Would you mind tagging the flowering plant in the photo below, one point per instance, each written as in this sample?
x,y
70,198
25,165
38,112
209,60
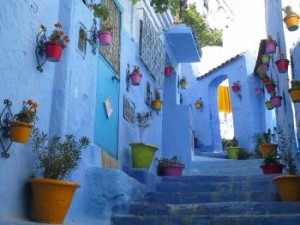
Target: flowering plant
x,y
28,112
58,34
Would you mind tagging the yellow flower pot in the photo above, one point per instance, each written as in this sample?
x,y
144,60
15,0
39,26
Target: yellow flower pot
x,y
292,21
233,152
20,132
51,199
288,187
295,94
142,154
267,149
198,105
157,104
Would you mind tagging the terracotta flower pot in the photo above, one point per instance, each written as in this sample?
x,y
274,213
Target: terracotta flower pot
x,y
267,149
292,21
53,50
20,132
276,100
295,94
198,105
282,65
51,199
288,187
105,37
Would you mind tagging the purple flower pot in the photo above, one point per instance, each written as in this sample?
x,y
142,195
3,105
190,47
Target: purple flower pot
x,y
270,47
276,101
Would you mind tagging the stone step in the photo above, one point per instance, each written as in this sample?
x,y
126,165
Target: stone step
x,y
210,209
202,197
271,219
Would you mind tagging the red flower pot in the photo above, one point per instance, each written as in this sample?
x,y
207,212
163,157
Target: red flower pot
x,y
270,47
265,79
235,88
173,170
276,101
105,37
168,70
282,65
53,50
136,78
270,87
272,168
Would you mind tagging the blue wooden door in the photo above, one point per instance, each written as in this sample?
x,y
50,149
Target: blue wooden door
x,y
107,109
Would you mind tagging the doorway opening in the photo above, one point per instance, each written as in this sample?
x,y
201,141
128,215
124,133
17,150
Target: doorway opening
x,y
225,111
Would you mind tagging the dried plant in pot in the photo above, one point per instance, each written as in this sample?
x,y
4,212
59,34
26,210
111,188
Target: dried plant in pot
x,y
142,153
288,184
56,158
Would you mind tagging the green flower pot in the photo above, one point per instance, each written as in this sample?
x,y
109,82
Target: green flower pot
x,y
142,154
233,152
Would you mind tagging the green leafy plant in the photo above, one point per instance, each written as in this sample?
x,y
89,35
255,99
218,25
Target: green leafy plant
x,y
288,10
267,137
106,25
295,83
226,143
100,11
27,113
142,121
56,158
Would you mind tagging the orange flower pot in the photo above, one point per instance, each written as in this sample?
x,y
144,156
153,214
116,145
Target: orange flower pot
x,y
295,94
288,187
51,199
267,149
20,132
292,21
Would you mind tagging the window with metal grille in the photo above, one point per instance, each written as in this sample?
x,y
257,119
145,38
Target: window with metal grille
x,y
152,50
112,52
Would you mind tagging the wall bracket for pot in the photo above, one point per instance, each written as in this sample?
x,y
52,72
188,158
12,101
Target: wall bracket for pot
x,y
93,39
40,48
5,116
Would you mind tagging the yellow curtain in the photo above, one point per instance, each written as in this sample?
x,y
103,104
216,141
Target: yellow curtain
x,y
224,103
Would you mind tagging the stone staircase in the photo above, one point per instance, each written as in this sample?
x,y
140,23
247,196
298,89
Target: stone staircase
x,y
211,200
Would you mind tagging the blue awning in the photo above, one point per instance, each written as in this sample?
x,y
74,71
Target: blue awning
x,y
183,43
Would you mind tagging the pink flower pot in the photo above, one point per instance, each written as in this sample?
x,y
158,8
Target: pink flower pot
x,y
282,65
276,101
258,91
262,69
168,70
270,47
235,88
105,37
173,170
136,78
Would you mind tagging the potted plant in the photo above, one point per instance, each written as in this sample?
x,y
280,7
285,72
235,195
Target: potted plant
x,y
288,184
157,102
56,158
236,86
105,35
291,19
294,91
168,70
265,79
56,43
135,76
262,70
270,45
258,90
282,63
170,167
271,165
276,100
22,123
198,104
269,105
267,142
231,146
265,59
183,83
270,86
142,153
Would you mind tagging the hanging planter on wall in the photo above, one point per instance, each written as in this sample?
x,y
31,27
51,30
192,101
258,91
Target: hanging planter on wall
x,y
282,64
291,19
236,86
258,90
262,70
168,70
183,83
270,45
265,59
53,51
265,79
276,100
105,35
157,102
269,105
199,104
136,76
294,91
270,86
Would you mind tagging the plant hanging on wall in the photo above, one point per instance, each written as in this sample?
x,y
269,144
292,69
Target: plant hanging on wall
x,y
291,18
